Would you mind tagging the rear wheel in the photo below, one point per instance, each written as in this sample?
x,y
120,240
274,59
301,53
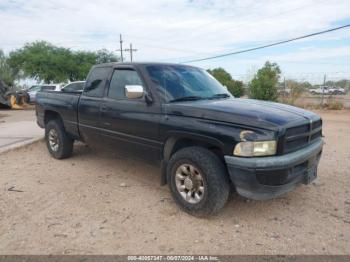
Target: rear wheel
x,y
198,181
59,144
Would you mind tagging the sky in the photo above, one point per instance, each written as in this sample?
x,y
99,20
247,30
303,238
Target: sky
x,y
182,30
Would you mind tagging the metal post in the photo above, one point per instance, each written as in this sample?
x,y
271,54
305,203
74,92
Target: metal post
x,y
324,84
121,47
131,52
284,92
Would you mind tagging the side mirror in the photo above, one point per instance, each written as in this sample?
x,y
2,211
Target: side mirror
x,y
133,91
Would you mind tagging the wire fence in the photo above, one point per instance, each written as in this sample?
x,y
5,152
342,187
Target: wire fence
x,y
320,99
311,90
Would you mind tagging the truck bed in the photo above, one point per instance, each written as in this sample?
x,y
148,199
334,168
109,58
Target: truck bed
x,y
64,103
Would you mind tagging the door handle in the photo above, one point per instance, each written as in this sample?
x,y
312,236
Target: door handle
x,y
103,108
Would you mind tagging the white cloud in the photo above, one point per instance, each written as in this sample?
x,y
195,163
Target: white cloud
x,y
313,53
161,30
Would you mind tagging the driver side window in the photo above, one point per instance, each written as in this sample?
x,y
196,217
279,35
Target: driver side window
x,y
121,78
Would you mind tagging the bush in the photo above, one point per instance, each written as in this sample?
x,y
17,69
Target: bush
x,y
264,84
235,87
332,104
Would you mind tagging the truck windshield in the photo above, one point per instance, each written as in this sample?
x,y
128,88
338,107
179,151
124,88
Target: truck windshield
x,y
185,83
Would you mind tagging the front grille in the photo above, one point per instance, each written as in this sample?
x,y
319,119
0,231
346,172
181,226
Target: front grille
x,y
317,124
297,130
300,136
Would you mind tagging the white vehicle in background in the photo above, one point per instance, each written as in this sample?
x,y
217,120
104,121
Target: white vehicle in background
x,y
321,90
74,87
328,91
337,91
45,87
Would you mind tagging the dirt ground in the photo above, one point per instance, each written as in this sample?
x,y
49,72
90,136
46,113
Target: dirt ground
x,y
17,128
10,116
2,115
102,203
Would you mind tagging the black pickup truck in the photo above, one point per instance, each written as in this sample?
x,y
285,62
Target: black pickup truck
x,y
206,141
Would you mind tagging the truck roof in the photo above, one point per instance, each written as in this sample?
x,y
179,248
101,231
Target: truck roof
x,y
140,63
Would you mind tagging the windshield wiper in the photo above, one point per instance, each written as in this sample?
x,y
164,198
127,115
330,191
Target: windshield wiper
x,y
222,95
186,98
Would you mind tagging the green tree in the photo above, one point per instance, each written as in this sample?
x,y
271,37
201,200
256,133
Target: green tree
x,y
81,64
306,85
83,60
105,56
343,83
235,87
264,84
42,61
46,62
7,75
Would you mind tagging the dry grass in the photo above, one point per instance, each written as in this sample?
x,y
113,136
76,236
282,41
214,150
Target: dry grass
x,y
333,104
330,104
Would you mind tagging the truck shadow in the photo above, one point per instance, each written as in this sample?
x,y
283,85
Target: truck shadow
x,y
142,171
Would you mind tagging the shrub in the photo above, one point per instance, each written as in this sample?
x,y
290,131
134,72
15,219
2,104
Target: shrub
x,y
235,87
334,105
264,84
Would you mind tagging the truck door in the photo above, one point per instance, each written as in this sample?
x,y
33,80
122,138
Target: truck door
x,y
130,123
90,102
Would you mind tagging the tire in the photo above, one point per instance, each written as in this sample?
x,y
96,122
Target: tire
x,y
59,144
209,194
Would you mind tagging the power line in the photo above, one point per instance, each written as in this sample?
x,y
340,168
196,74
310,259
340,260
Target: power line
x,y
195,34
268,45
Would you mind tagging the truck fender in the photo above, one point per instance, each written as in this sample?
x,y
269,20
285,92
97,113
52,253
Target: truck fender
x,y
175,137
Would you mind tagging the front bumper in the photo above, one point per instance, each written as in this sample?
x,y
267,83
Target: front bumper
x,y
263,178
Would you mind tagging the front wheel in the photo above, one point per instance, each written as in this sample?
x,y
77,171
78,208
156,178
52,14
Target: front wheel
x,y
198,181
59,144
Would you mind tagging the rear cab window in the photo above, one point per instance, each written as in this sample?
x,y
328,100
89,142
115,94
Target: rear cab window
x,y
34,88
96,82
48,88
74,87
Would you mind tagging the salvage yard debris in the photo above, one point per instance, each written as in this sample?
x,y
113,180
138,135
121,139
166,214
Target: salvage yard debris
x,y
13,99
12,189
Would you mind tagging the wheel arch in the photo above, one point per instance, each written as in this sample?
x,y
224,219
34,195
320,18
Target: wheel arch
x,y
51,115
176,142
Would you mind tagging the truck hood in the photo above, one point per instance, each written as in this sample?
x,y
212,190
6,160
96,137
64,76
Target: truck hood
x,y
249,112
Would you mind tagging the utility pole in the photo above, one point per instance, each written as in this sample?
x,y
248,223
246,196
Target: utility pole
x,y
324,85
131,51
121,47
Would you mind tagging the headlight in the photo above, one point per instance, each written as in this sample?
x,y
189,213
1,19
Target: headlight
x,y
255,148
